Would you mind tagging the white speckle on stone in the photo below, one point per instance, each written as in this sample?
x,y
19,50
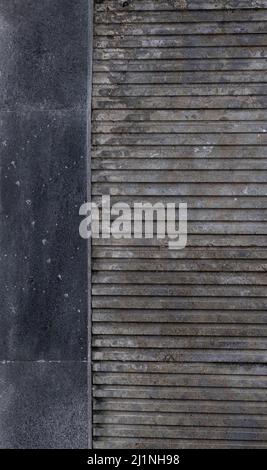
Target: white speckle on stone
x,y
59,277
44,241
17,183
48,261
66,295
28,202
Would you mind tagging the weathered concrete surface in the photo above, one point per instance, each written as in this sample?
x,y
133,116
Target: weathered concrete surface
x,y
43,405
43,143
179,338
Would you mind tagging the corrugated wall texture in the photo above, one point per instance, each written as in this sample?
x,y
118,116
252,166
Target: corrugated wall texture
x,y
179,115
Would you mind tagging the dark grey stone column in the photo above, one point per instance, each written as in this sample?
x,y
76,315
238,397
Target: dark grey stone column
x,y
45,70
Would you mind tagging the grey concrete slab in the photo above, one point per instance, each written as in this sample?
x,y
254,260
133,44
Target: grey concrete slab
x,y
44,260
43,50
43,405
45,58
